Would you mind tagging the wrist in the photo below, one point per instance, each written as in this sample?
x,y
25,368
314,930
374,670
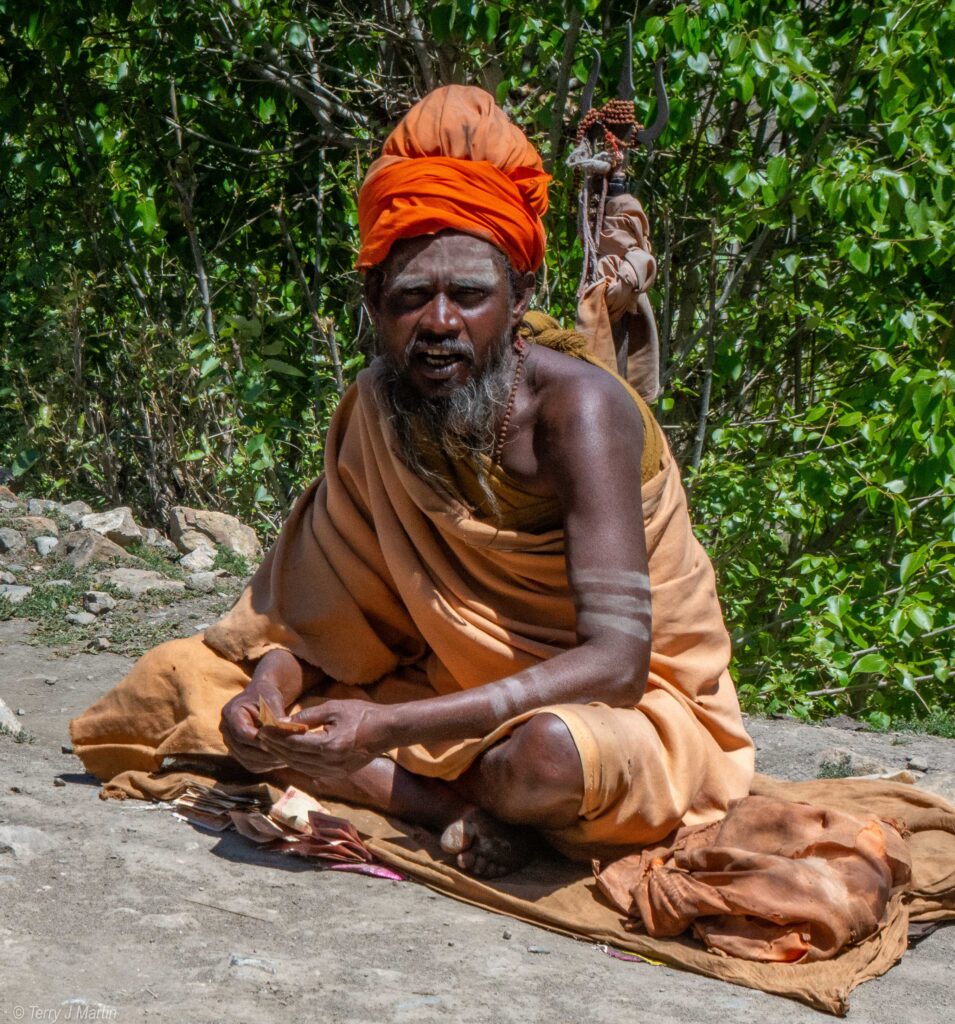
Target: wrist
x,y
384,728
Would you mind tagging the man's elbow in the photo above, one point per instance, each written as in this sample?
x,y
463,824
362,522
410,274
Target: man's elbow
x,y
624,674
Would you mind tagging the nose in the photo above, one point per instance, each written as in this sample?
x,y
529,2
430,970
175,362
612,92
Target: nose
x,y
440,318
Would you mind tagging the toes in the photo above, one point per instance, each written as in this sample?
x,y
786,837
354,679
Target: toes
x,y
457,837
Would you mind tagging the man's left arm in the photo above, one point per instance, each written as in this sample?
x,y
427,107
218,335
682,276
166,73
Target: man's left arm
x,y
589,444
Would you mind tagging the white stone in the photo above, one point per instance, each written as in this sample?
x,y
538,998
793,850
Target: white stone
x,y
139,581
75,510
7,577
13,593
96,602
11,540
81,618
116,525
199,559
203,582
24,843
45,545
190,527
8,721
40,506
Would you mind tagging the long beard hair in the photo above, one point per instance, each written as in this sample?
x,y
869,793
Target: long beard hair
x,y
460,426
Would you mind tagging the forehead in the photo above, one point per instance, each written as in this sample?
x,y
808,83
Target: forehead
x,y
448,257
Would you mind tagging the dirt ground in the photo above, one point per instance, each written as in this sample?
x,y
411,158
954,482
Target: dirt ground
x,y
118,911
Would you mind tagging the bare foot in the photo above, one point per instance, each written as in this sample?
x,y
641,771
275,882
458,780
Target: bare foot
x,y
487,847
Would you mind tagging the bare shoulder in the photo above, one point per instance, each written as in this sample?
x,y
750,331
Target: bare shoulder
x,y
577,398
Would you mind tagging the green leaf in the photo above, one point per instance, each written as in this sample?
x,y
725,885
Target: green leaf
x,y
700,63
922,617
803,100
24,461
873,662
911,564
280,366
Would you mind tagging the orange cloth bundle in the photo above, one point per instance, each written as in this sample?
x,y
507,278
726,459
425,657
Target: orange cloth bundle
x,y
456,161
774,880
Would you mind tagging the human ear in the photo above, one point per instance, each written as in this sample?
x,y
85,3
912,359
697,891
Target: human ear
x,y
374,287
524,287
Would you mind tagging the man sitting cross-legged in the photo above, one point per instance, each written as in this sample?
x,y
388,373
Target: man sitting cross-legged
x,y
491,609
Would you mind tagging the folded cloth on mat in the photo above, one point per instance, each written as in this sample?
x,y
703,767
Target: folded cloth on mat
x,y
775,880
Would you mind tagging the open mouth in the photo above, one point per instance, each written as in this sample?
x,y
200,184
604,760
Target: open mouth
x,y
437,361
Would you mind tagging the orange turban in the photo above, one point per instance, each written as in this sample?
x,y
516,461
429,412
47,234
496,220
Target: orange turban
x,y
456,161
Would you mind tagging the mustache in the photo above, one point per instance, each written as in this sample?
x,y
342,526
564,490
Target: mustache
x,y
446,346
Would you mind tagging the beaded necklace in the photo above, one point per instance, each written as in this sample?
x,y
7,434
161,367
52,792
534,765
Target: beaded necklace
x,y
520,346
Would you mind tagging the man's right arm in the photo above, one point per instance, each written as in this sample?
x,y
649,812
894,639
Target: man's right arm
x,y
279,680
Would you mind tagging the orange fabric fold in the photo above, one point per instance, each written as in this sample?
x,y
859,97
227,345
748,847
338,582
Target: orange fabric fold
x,y
456,162
422,197
775,881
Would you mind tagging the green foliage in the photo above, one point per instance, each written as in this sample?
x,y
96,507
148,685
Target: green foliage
x,y
178,307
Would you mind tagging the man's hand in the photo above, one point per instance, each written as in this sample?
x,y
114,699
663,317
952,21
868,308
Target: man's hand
x,y
344,735
278,681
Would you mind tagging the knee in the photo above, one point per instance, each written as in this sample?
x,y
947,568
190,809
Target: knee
x,y
538,776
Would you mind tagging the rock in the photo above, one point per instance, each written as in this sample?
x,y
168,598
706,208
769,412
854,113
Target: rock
x,y
203,582
75,510
538,949
40,506
46,545
33,525
7,495
8,721
940,783
839,763
7,577
116,525
10,541
85,546
24,843
13,593
57,781
80,618
917,763
57,583
199,560
66,748
506,934
845,722
190,527
256,963
97,603
100,643
154,539
139,581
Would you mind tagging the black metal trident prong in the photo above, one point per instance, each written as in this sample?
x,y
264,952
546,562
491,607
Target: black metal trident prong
x,y
625,91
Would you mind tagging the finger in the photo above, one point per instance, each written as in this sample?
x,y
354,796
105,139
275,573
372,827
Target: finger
x,y
314,717
242,723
